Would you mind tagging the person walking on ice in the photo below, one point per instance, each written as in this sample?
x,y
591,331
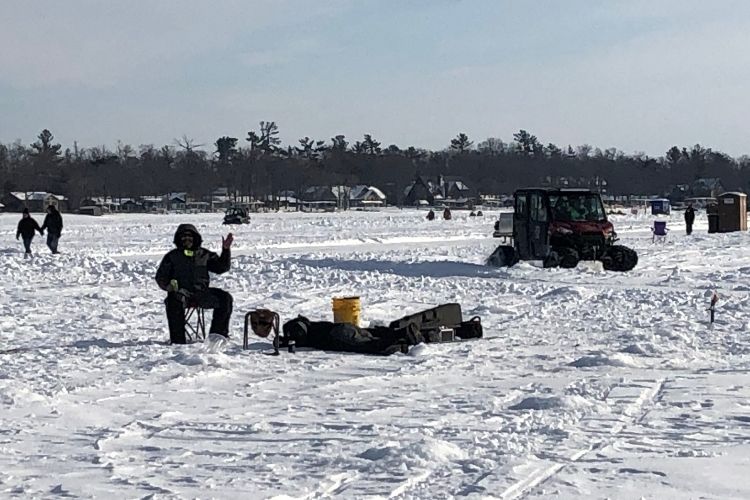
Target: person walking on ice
x,y
183,274
689,218
53,223
26,227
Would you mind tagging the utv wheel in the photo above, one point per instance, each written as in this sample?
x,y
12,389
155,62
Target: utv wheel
x,y
568,257
620,258
503,256
551,260
564,257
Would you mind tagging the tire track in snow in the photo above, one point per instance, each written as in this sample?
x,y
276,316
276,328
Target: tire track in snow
x,y
542,474
635,399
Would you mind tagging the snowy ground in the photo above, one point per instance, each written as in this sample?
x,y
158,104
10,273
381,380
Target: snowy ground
x,y
590,384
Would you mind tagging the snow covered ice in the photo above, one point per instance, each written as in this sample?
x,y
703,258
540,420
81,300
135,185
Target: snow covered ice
x,y
590,384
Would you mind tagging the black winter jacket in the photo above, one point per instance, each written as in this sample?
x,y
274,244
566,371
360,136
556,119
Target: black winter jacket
x,y
191,272
53,223
689,215
26,227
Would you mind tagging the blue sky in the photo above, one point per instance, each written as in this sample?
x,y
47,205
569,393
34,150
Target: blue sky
x,y
636,75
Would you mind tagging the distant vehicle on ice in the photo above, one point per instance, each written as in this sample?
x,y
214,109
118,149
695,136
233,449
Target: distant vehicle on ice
x,y
236,215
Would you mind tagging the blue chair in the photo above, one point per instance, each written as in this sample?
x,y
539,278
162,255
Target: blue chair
x,y
659,231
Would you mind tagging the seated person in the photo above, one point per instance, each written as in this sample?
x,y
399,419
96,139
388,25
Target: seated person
x,y
183,273
562,210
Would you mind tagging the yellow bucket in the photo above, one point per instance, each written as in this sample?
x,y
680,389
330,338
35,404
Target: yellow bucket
x,y
346,310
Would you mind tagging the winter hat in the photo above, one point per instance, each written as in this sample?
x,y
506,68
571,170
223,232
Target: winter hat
x,y
25,210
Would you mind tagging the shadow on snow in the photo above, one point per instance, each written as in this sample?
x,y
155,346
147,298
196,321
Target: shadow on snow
x,y
435,269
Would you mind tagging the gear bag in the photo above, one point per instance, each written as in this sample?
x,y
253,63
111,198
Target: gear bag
x,y
436,324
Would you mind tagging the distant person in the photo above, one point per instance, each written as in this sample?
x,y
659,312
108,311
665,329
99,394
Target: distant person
x,y
430,215
447,213
563,210
689,218
53,223
578,211
183,274
26,227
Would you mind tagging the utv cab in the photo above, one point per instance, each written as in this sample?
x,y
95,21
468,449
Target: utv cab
x,y
236,215
561,227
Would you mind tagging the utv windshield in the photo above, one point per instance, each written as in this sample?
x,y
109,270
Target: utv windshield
x,y
577,207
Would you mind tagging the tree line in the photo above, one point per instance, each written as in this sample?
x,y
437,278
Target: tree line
x,y
260,166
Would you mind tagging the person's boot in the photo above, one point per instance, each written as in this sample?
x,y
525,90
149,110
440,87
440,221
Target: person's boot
x,y
410,335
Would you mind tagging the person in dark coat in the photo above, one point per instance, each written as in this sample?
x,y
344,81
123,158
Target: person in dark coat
x,y
689,218
26,227
447,214
53,223
183,274
430,215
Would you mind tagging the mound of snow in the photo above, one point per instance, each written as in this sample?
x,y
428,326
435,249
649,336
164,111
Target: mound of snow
x,y
602,359
539,403
641,349
422,453
419,350
570,402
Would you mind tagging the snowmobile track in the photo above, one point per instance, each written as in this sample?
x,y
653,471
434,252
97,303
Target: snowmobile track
x,y
636,405
642,402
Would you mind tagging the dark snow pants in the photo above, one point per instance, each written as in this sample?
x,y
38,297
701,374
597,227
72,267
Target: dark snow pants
x,y
27,244
688,227
213,298
52,240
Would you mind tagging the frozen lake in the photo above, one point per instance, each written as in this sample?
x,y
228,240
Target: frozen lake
x,y
590,384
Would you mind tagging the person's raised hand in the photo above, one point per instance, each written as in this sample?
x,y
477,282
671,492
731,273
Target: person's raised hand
x,y
226,243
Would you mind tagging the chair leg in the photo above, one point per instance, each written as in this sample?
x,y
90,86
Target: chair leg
x,y
199,329
188,327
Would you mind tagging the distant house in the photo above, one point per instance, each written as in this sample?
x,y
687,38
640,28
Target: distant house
x,y
448,191
494,200
131,206
221,202
455,188
366,196
105,203
319,198
420,192
177,201
153,203
283,200
36,201
195,206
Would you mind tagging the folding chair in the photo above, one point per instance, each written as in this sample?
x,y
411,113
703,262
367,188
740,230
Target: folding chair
x,y
197,330
659,231
263,322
